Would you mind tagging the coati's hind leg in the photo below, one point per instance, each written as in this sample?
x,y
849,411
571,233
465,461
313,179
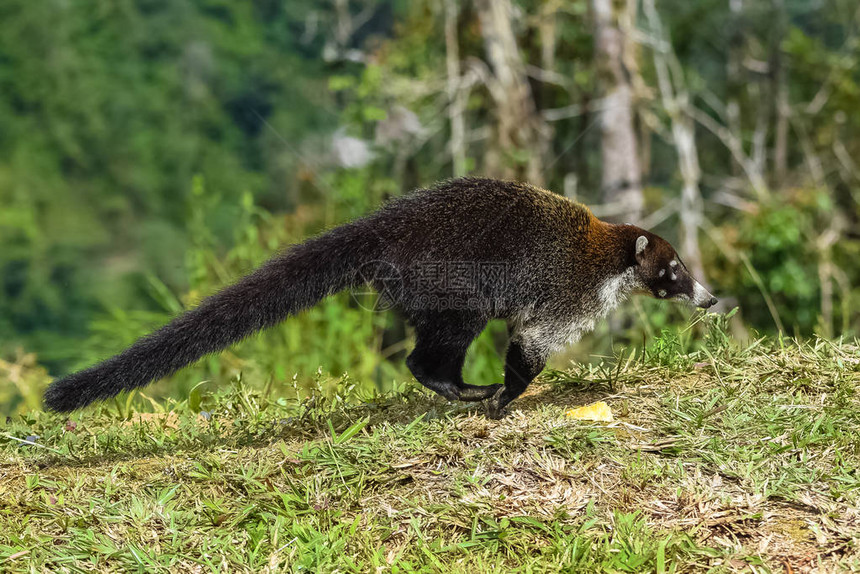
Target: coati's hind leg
x,y
440,351
525,359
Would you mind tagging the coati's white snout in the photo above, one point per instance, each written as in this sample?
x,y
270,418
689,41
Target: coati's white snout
x,y
702,298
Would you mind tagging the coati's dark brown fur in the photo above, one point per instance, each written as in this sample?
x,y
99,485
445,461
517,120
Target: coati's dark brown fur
x,y
450,258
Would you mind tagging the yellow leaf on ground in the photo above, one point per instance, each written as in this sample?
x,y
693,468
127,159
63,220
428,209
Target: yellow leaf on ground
x,y
598,411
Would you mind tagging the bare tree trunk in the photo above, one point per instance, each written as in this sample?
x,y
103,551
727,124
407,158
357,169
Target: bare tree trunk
x,y
780,145
547,28
345,25
734,81
521,130
676,101
621,179
456,93
780,81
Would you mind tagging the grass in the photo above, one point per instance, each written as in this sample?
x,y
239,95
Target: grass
x,y
724,459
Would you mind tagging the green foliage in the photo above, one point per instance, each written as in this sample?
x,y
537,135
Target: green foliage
x,y
782,242
22,381
108,110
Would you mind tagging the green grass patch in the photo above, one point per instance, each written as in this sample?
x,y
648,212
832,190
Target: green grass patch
x,y
721,459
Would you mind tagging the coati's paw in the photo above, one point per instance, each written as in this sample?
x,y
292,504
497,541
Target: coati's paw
x,y
475,393
495,409
447,390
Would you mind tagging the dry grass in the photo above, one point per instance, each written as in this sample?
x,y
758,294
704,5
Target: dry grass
x,y
723,459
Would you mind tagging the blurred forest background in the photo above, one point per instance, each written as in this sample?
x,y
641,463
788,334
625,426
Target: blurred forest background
x,y
153,150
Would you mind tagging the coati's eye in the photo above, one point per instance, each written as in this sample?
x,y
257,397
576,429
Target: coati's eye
x,y
662,272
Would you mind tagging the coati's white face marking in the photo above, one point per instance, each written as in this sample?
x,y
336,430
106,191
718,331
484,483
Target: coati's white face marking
x,y
701,297
672,276
660,269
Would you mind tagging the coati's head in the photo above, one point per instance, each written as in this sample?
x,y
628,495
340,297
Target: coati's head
x,y
662,274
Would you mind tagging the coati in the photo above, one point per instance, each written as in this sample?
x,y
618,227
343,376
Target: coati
x,y
450,258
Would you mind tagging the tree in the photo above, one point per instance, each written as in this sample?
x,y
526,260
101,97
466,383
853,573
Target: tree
x,y
621,181
521,135
676,102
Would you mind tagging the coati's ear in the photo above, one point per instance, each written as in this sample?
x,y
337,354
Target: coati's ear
x,y
641,244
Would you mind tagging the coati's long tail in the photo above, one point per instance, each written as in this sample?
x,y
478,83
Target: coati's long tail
x,y
286,284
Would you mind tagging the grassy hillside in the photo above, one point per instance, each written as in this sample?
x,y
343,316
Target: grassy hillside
x,y
721,460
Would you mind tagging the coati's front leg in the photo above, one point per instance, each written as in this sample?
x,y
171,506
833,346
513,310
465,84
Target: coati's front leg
x,y
524,361
440,370
440,351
